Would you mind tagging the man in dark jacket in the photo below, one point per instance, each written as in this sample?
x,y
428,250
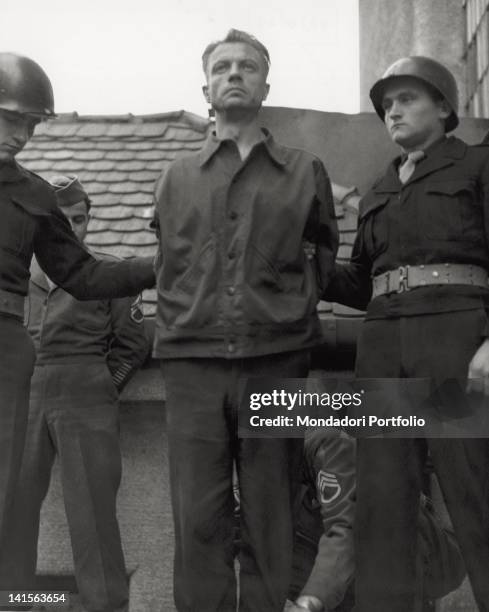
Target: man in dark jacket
x,y
324,567
86,352
236,298
33,224
420,263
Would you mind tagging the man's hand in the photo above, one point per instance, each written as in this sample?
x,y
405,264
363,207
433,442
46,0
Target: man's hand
x,y
309,249
306,603
478,374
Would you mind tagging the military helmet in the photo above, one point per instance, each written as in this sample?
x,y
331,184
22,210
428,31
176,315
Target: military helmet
x,y
24,86
427,70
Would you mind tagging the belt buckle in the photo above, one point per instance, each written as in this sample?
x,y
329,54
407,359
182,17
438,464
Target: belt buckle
x,y
403,279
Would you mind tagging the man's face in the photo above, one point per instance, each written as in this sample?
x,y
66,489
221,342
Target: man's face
x,y
15,131
413,119
78,217
236,78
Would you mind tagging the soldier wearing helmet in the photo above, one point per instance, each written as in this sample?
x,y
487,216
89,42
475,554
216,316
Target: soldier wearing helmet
x,y
420,267
32,224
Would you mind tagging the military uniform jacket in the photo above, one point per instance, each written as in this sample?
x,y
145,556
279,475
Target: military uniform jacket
x,y
327,512
440,215
65,330
32,223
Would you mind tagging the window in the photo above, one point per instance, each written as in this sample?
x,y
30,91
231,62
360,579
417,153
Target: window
x,y
477,57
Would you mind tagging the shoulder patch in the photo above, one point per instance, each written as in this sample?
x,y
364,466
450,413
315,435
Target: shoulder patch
x,y
137,314
328,487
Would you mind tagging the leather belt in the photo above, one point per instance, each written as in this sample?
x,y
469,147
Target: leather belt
x,y
405,278
12,304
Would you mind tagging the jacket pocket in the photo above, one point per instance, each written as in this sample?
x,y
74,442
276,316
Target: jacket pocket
x,y
263,272
374,223
449,211
190,278
274,294
192,301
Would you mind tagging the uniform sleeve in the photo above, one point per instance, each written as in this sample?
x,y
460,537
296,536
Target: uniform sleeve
x,y
129,345
326,230
351,283
66,261
333,469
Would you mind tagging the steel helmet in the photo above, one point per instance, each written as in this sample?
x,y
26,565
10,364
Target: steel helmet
x,y
427,70
24,86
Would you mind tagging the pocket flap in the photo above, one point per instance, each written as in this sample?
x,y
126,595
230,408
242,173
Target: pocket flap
x,y
450,187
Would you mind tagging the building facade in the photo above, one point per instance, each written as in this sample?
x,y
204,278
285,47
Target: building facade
x,y
390,29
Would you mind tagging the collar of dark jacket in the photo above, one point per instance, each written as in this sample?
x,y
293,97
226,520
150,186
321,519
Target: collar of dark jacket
x,y
37,275
11,172
277,153
439,155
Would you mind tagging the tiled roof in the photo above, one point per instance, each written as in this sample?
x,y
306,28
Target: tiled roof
x,y
118,159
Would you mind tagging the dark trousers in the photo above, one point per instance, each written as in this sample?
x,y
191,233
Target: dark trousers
x,y
202,414
73,414
389,471
16,364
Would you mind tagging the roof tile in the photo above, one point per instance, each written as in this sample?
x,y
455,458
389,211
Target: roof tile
x,y
136,199
143,145
92,130
145,176
121,130
120,154
112,212
152,130
58,155
112,177
133,165
126,187
149,155
90,155
101,165
129,224
69,166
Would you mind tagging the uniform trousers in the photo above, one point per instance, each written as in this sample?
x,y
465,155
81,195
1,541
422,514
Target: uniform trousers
x,y
16,365
202,405
73,414
389,471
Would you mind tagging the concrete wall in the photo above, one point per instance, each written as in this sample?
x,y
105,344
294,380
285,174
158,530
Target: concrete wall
x,y
390,29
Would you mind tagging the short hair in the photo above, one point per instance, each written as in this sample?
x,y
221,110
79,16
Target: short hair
x,y
237,36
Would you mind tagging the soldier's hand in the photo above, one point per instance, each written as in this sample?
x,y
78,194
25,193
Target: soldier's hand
x,y
478,374
309,249
306,603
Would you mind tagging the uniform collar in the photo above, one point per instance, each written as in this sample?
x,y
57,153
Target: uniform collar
x,y
440,154
277,153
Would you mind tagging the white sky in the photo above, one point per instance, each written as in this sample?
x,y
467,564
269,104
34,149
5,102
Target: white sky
x,y
143,56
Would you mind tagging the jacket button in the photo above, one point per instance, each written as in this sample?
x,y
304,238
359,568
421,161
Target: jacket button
x,y
231,290
233,215
231,255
